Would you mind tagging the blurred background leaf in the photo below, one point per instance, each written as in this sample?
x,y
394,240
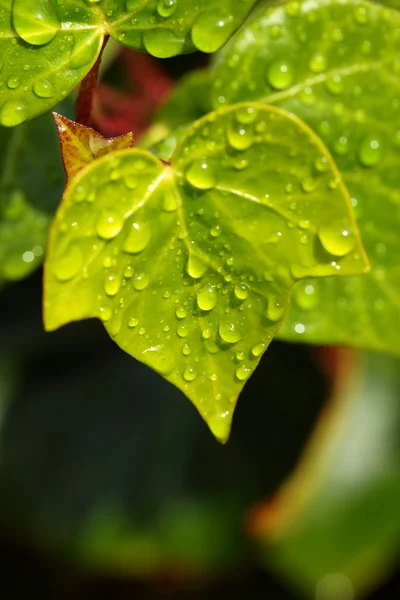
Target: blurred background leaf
x,y
334,528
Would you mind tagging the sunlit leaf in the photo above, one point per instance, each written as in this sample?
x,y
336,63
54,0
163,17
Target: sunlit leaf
x,y
190,265
31,185
46,48
336,65
334,528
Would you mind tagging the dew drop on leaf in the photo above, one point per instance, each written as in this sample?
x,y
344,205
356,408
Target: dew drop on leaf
x,y
275,310
112,285
138,238
211,30
195,267
200,175
207,297
280,74
257,350
337,238
43,89
13,112
35,21
243,372
166,8
370,152
241,291
109,224
229,332
140,281
189,374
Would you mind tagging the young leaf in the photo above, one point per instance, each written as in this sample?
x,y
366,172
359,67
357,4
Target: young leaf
x,y
190,265
46,48
82,145
31,183
165,28
347,90
334,526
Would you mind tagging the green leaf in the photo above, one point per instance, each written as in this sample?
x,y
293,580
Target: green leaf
x,y
165,28
46,48
347,88
31,183
190,265
335,525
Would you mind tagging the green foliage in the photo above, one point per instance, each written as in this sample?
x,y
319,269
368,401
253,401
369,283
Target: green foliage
x,y
161,253
47,47
31,184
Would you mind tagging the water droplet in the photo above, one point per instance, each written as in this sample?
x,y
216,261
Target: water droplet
x,y
275,310
215,231
207,297
13,113
166,8
211,30
69,265
43,89
229,332
258,349
109,224
243,372
138,238
186,350
35,21
240,136
112,284
180,313
337,237
189,374
105,313
140,281
200,175
182,330
13,83
280,74
370,153
241,291
133,322
317,63
195,267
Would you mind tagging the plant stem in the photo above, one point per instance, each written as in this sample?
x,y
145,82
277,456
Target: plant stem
x,y
84,102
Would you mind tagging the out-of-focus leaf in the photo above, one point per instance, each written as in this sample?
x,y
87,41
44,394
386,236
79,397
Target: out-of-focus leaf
x,y
31,186
131,482
190,265
334,528
336,65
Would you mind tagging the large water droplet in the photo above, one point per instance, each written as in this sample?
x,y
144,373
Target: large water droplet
x,y
35,21
69,265
240,136
370,153
189,374
200,175
112,285
13,112
166,8
229,332
138,238
258,349
241,291
195,267
243,372
275,310
337,237
207,297
280,74
43,89
140,281
210,30
109,224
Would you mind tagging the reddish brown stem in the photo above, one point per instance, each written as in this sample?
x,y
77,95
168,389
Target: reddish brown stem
x,y
84,102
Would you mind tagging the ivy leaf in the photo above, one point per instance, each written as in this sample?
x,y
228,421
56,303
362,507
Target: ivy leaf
x,y
165,28
46,48
190,265
82,145
347,90
31,184
334,526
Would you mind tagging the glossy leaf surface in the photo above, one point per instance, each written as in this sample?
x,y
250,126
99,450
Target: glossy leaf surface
x,y
46,48
335,64
334,528
31,185
190,265
165,28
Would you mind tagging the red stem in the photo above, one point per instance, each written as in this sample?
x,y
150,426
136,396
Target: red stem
x,y
84,102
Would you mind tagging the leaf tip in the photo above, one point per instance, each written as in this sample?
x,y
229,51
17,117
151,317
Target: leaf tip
x,y
220,424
